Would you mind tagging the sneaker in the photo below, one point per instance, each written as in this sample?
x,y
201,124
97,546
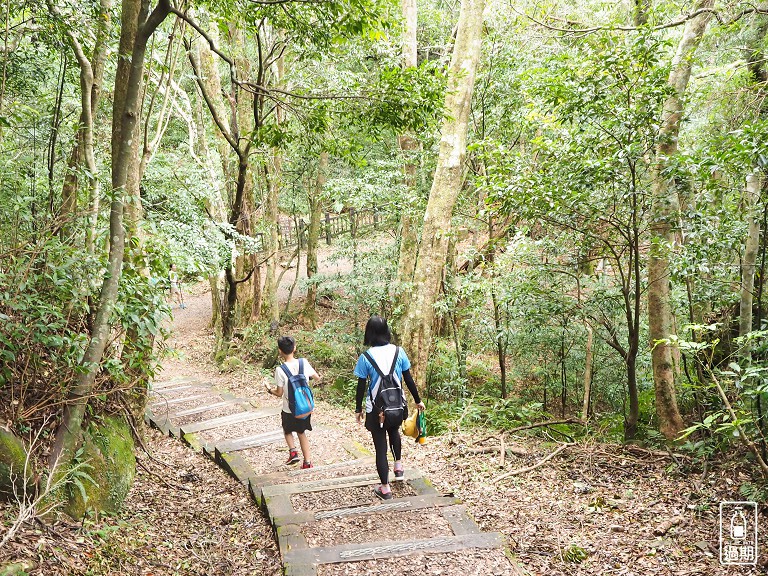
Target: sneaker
x,y
306,465
293,457
383,495
399,473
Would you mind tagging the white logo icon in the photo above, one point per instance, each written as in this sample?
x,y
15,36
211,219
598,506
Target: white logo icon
x,y
738,533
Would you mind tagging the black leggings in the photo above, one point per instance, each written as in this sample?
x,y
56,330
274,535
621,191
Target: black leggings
x,y
380,443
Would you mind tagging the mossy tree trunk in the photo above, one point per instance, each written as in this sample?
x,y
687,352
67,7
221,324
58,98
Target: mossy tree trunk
x,y
245,262
449,176
204,64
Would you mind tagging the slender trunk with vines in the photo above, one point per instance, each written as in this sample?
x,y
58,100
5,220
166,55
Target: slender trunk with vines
x,y
664,213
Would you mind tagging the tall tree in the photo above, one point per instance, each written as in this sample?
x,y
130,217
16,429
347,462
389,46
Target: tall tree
x,y
68,433
273,171
315,194
663,217
408,147
749,258
447,182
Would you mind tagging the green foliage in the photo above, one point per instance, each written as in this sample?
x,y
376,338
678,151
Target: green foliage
x,y
480,412
574,554
745,385
176,199
753,492
47,296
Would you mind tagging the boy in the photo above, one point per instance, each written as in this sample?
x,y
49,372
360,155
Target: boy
x,y
286,346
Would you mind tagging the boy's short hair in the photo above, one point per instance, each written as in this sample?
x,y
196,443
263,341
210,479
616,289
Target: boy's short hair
x,y
286,344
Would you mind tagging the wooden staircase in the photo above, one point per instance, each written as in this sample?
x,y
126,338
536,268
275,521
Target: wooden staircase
x,y
332,504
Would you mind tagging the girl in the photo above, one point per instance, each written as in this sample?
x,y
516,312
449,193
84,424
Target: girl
x,y
377,336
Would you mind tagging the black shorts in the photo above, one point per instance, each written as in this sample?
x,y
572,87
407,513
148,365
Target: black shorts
x,y
293,424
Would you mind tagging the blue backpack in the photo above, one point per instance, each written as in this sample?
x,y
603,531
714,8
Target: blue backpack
x,y
300,398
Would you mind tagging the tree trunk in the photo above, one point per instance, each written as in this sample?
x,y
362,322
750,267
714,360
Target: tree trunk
x,y
231,283
245,262
272,217
313,237
501,349
204,63
587,371
91,78
664,213
752,192
270,309
216,282
408,146
633,417
68,433
448,178
208,82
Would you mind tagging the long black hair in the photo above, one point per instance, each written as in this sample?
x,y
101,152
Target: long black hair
x,y
377,332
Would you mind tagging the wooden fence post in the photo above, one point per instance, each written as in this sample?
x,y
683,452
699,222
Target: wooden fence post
x,y
328,228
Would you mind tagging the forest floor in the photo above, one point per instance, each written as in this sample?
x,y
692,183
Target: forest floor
x,y
592,509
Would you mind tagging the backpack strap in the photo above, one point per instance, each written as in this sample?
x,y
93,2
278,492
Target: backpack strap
x,y
301,365
394,362
287,371
376,366
373,363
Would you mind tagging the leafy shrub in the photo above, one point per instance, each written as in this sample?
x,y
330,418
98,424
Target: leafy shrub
x,y
48,294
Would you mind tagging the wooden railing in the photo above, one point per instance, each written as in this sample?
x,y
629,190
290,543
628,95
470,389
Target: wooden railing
x,y
332,226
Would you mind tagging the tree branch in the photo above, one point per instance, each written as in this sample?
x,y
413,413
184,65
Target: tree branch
x,y
674,23
533,467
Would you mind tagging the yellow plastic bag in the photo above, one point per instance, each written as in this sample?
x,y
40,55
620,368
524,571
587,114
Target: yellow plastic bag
x,y
410,426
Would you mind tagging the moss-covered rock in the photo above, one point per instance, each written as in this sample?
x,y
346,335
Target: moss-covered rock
x,y
231,364
108,451
12,457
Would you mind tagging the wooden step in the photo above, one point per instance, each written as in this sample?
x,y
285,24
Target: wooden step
x,y
253,441
207,407
159,402
373,550
329,484
403,504
228,420
172,382
258,483
179,388
334,466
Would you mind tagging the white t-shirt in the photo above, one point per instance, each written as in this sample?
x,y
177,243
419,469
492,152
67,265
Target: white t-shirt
x,y
281,380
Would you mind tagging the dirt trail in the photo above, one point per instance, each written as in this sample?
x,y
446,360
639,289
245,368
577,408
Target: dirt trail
x,y
594,509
